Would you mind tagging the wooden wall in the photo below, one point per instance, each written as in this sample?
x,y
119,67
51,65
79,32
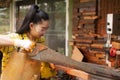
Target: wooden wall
x,y
105,7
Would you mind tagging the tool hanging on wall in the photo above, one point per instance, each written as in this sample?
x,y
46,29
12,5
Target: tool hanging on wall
x,y
108,44
111,29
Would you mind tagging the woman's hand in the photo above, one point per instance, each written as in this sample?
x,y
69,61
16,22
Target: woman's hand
x,y
26,45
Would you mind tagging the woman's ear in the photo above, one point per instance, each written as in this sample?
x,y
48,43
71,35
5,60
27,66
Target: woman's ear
x,y
31,25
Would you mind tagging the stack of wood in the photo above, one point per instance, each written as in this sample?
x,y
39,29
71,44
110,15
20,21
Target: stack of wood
x,y
93,48
84,33
88,16
5,3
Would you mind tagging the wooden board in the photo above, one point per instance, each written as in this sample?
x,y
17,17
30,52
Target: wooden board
x,y
77,55
59,59
116,44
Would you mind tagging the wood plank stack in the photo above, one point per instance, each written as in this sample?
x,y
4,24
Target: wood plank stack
x,y
4,3
88,16
85,36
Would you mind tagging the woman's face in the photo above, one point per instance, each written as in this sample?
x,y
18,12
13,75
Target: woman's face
x,y
38,30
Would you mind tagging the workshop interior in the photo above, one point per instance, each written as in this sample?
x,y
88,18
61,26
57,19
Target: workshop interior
x,y
83,37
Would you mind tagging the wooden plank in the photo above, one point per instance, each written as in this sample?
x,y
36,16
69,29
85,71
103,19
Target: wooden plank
x,y
96,51
99,46
93,59
81,74
90,17
116,45
74,72
71,43
82,21
82,45
83,41
88,13
59,59
99,41
77,55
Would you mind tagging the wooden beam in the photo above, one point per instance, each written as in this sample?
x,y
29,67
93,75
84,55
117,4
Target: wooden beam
x,y
99,70
77,54
73,72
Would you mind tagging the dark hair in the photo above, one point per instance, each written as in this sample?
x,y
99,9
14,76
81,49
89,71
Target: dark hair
x,y
34,15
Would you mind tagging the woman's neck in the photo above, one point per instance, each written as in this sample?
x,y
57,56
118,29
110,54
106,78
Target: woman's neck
x,y
31,37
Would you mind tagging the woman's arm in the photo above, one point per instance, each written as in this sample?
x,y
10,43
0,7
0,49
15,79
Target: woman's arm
x,y
6,41
25,44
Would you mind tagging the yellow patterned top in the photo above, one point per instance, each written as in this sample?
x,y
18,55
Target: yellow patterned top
x,y
45,70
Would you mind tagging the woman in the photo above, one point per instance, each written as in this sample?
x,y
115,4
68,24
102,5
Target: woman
x,y
34,26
